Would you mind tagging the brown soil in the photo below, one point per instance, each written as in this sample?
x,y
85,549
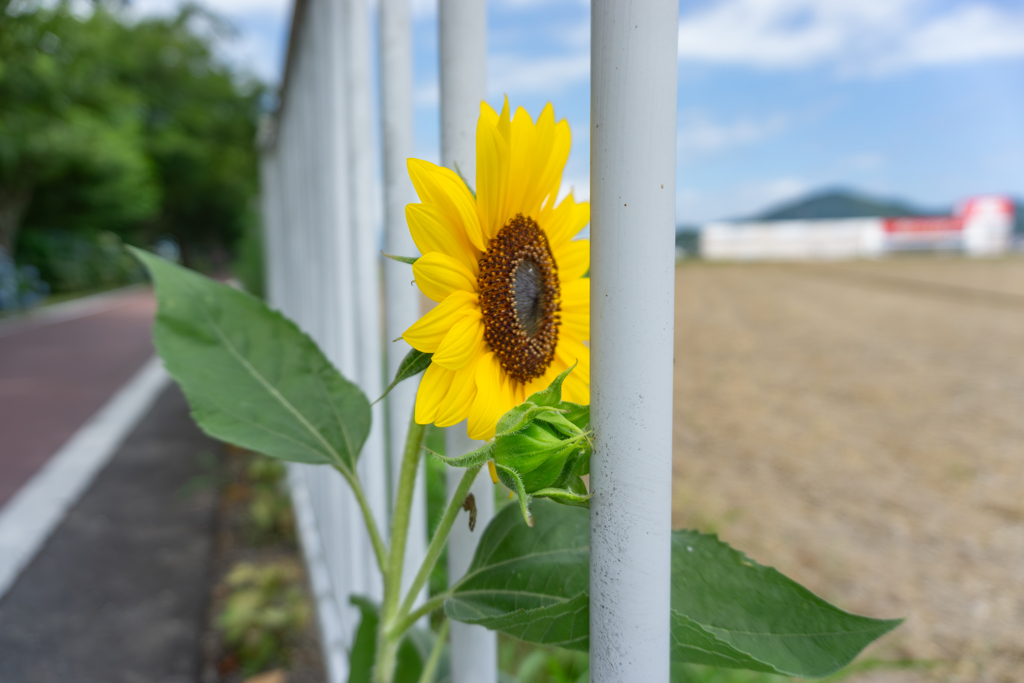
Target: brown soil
x,y
861,428
236,542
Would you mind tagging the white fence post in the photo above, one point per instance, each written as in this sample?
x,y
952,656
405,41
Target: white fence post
x,y
366,266
402,298
463,46
633,181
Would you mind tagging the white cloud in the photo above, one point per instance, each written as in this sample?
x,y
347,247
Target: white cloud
x,y
858,36
969,33
513,74
699,135
695,206
251,53
228,8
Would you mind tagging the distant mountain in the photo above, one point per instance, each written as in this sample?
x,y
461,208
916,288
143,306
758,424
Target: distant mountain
x,y
842,204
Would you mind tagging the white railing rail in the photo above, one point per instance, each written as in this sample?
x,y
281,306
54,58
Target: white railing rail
x,y
324,271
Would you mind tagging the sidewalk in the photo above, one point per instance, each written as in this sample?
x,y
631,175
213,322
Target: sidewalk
x,y
57,370
119,591
105,562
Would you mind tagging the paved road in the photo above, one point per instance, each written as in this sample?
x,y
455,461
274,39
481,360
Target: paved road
x,y
119,592
57,369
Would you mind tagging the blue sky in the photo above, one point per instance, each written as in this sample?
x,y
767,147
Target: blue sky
x,y
916,99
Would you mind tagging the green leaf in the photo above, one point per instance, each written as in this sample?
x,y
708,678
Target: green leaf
x,y
530,583
726,610
756,610
402,259
252,377
364,647
413,364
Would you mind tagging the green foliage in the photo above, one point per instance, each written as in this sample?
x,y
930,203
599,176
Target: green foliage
x,y
129,126
413,651
413,364
249,266
270,509
727,610
74,261
252,377
264,613
529,663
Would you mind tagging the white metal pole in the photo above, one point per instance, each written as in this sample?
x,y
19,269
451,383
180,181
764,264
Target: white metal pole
x,y
348,548
402,300
463,46
372,462
633,180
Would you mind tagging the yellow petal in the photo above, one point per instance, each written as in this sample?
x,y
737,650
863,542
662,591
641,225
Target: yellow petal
x,y
561,223
431,232
492,170
573,259
576,308
427,333
439,275
569,351
524,153
433,388
457,403
462,343
539,153
444,189
486,409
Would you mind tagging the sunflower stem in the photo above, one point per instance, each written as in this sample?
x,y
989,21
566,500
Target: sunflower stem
x,y
380,551
388,638
439,539
430,668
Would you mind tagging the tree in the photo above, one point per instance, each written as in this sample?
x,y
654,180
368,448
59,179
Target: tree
x,y
130,127
70,134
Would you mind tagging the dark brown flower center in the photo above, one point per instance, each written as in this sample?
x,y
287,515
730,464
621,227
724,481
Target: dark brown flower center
x,y
520,299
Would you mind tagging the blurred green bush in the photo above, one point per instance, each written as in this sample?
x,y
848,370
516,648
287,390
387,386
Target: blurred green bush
x,y
264,613
115,125
73,261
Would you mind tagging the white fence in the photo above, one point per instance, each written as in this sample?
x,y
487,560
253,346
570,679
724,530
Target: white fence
x,y
324,270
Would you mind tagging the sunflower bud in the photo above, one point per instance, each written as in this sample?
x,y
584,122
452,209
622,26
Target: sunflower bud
x,y
541,448
538,454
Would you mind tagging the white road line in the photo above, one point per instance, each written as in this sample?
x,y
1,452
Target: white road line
x,y
28,519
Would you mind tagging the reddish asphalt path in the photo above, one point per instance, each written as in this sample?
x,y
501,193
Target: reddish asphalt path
x,y
57,371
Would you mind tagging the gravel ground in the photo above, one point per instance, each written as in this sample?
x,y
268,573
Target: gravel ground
x,y
861,428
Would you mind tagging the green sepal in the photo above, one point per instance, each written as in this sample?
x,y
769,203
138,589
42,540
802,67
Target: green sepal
x,y
552,395
464,181
510,478
413,364
517,419
471,459
565,497
402,259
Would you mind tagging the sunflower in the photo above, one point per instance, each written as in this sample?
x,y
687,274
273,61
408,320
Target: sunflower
x,y
513,303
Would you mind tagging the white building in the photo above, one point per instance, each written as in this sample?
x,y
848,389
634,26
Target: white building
x,y
981,227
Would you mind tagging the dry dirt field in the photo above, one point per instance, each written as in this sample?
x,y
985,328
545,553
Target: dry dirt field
x,y
860,427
